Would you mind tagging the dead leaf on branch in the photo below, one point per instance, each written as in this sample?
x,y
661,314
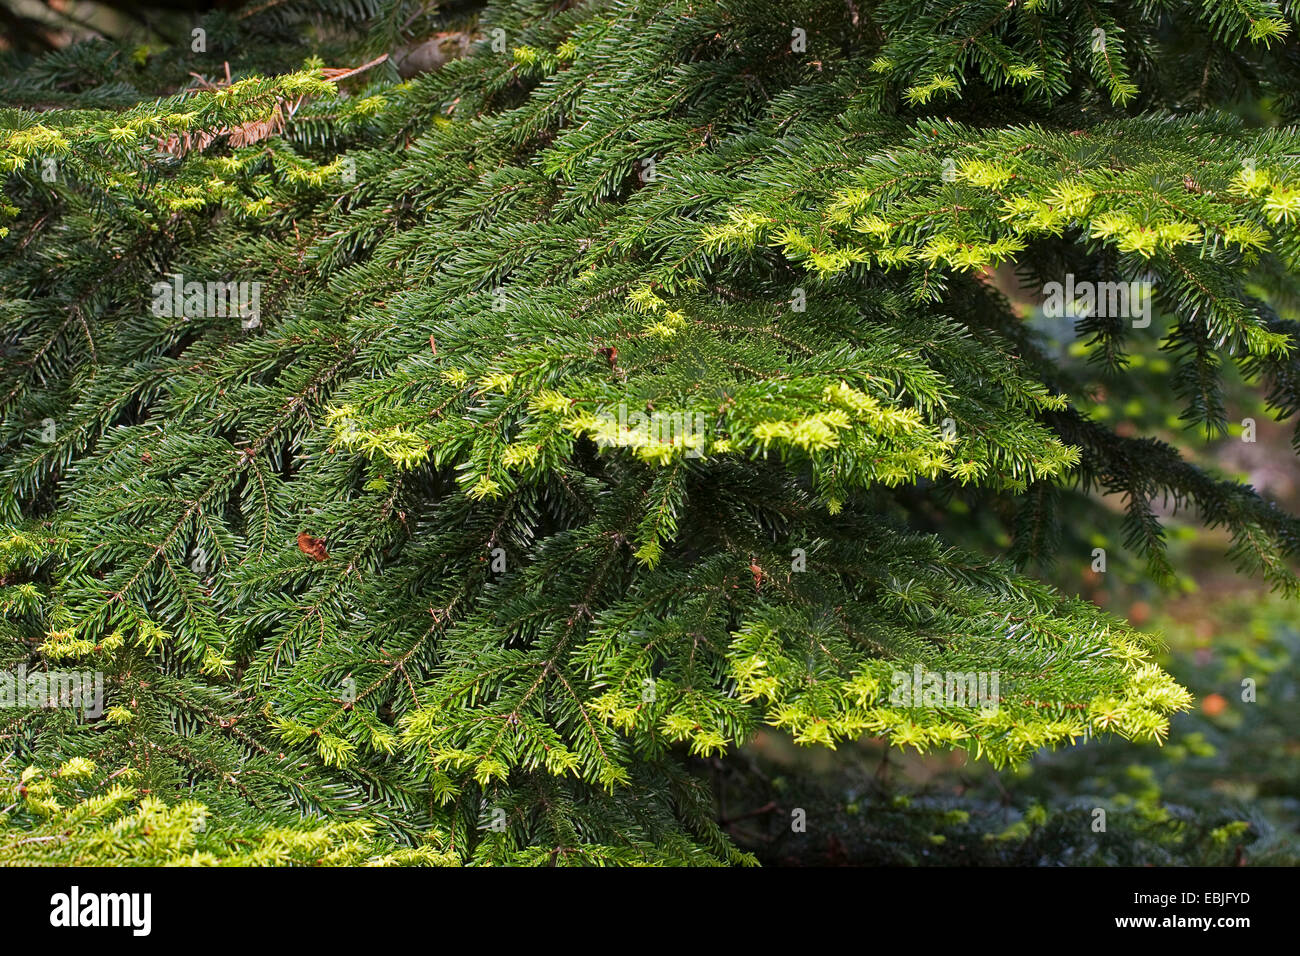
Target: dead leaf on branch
x,y
254,131
314,548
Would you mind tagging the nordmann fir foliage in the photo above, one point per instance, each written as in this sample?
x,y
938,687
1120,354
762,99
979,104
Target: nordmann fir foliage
x,y
394,572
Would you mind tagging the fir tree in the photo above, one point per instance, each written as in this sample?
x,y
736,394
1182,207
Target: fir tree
x,y
434,461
